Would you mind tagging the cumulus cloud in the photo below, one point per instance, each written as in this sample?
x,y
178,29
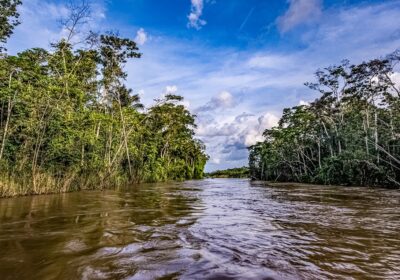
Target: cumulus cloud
x,y
262,81
228,141
253,133
265,80
141,37
222,101
195,13
300,11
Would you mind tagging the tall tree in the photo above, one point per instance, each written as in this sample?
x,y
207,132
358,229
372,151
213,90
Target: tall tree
x,y
68,120
350,135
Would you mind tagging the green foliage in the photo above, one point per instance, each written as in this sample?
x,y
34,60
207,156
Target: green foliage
x,y
241,172
68,122
350,135
8,18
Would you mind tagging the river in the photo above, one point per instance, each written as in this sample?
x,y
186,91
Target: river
x,y
207,229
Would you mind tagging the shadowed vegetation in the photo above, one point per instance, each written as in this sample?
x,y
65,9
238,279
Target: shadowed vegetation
x,y
68,121
350,135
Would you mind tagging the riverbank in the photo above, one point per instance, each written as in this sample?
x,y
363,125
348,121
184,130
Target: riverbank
x,y
305,185
297,184
77,125
285,184
240,172
45,184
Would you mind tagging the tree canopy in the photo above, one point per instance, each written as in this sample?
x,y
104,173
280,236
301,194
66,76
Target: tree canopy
x,y
240,172
69,121
349,135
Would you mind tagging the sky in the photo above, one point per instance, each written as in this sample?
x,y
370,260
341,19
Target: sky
x,y
237,63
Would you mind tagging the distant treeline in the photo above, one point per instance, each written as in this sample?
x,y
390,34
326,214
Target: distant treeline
x,y
68,121
349,135
241,172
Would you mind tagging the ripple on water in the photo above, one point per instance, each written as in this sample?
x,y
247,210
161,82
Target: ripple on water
x,y
209,229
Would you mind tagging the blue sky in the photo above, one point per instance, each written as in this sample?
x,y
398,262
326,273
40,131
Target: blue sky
x,y
238,63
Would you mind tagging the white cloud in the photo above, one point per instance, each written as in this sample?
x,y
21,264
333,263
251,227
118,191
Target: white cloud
x,y
216,160
261,81
300,11
267,120
171,89
228,81
43,17
40,16
304,103
196,11
141,37
222,101
254,134
185,103
395,77
227,139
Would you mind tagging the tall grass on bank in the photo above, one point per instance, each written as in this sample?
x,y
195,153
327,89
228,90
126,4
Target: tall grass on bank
x,y
45,183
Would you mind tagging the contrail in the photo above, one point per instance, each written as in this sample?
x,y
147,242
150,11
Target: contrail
x,y
246,19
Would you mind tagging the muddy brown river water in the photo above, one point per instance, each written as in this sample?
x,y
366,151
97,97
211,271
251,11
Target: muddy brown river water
x,y
208,229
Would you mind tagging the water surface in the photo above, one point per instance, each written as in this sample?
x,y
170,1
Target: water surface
x,y
209,229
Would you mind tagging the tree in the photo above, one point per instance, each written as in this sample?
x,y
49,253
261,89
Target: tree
x,y
68,121
9,18
350,135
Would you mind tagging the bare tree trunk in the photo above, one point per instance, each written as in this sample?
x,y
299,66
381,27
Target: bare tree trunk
x,y
303,161
82,154
319,153
98,130
109,144
376,134
366,136
338,140
299,160
38,144
2,111
9,109
327,135
262,171
125,135
3,141
65,76
391,125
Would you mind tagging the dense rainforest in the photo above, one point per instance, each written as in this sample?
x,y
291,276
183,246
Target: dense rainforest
x,y
239,172
350,135
68,121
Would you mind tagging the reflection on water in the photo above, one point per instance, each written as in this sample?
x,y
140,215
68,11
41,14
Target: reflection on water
x,y
210,229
